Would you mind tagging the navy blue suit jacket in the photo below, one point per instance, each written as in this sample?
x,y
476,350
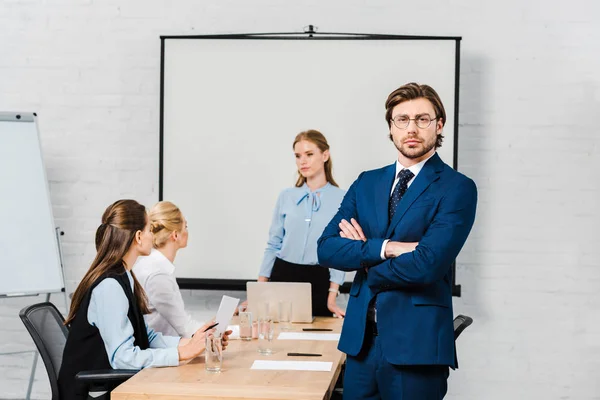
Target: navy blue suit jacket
x,y
413,291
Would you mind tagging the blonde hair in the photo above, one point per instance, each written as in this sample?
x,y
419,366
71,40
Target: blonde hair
x,y
319,140
165,218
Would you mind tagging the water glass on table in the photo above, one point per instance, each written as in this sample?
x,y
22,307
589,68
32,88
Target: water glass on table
x,y
245,323
214,353
285,315
264,310
265,335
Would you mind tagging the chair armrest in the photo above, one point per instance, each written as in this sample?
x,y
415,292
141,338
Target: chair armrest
x,y
105,379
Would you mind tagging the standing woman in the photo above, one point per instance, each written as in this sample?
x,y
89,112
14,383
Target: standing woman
x,y
300,216
156,273
106,318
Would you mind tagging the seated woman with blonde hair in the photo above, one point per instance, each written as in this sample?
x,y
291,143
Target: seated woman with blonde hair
x,y
156,273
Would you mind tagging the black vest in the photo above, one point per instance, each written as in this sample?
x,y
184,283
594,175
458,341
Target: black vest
x,y
84,350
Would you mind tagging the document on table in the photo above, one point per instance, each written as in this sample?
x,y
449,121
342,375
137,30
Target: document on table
x,y
225,313
308,336
293,365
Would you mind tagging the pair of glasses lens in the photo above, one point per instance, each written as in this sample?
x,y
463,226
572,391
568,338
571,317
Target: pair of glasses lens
x,y
422,121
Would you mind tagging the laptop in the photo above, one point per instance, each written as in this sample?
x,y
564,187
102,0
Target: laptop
x,y
299,294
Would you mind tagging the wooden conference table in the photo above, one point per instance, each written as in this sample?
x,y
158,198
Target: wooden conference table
x,y
237,380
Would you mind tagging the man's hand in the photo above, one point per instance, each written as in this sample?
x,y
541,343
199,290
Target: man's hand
x,y
395,249
351,230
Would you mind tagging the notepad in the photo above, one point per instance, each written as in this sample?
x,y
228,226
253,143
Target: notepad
x,y
225,313
309,336
323,366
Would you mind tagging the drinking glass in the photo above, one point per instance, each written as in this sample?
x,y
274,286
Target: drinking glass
x,y
245,324
265,335
285,315
214,353
264,311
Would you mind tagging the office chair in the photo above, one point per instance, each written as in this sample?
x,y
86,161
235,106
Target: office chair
x,y
46,326
461,322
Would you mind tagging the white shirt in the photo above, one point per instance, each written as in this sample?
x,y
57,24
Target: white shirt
x,y
168,315
415,169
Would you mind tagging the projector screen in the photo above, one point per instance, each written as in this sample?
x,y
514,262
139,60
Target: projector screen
x,y
231,107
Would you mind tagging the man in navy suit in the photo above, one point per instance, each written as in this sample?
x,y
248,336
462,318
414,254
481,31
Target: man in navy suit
x,y
401,227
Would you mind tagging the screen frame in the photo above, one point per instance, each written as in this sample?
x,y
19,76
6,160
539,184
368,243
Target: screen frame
x,y
310,35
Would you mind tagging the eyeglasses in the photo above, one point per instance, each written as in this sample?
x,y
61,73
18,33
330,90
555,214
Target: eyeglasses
x,y
422,120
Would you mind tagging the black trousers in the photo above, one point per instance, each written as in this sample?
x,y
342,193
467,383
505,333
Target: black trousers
x,y
316,275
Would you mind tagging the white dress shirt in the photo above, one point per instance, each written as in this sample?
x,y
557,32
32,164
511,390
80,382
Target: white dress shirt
x,y
415,169
168,315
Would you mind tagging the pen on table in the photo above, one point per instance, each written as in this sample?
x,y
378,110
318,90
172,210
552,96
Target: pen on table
x,y
304,355
317,329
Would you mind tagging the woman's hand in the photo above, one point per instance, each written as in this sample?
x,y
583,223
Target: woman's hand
x,y
244,304
193,347
243,307
225,339
333,307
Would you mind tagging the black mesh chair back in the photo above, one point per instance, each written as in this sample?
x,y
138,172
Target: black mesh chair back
x,y
45,325
460,324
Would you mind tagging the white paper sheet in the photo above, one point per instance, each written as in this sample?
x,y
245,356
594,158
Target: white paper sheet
x,y
309,336
225,313
293,365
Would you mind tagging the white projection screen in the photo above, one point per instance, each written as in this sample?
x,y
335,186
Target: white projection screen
x,y
231,107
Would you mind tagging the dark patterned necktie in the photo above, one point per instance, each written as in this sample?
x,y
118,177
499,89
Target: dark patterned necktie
x,y
404,177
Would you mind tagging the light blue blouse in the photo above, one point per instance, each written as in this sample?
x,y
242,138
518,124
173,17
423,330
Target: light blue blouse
x,y
108,312
299,219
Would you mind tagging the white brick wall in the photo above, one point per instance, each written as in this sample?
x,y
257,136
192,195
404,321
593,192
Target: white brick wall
x,y
529,99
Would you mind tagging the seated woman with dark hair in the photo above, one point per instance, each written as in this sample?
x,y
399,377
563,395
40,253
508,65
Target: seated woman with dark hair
x,y
107,328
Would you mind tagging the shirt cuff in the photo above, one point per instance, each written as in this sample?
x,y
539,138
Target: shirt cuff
x,y
336,276
172,341
172,357
383,249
